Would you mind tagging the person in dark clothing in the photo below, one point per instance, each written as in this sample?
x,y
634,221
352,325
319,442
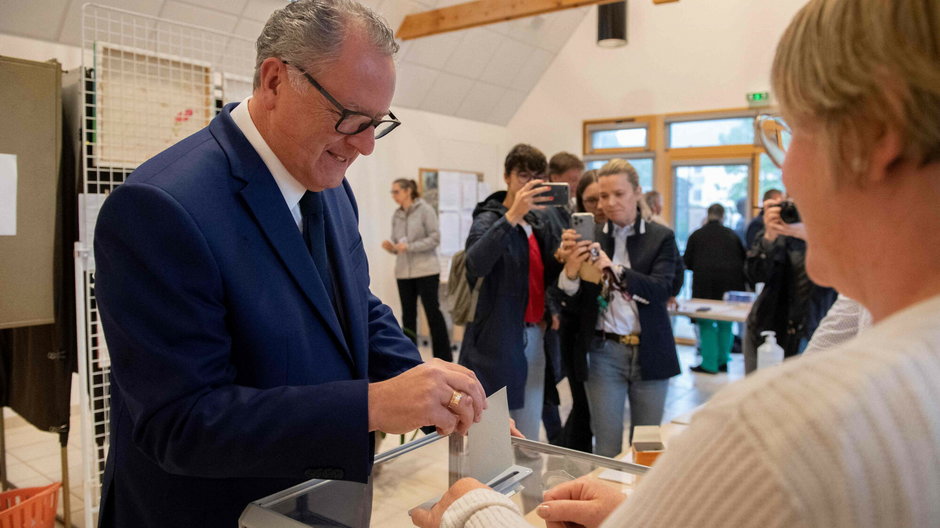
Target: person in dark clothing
x,y
563,167
715,255
576,433
626,334
757,224
510,246
790,304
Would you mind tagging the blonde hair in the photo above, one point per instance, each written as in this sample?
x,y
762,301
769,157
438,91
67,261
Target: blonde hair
x,y
860,67
621,166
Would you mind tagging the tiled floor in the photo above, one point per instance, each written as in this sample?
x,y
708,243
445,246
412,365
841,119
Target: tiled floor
x,y
33,457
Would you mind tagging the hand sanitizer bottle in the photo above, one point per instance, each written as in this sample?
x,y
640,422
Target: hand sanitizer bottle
x,y
770,353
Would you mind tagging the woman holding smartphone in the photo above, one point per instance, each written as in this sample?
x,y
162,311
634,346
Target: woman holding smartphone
x,y
415,237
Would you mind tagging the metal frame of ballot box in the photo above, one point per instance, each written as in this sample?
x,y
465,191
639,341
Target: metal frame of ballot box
x,y
334,503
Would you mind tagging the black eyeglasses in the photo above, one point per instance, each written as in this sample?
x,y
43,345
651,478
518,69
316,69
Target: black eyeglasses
x,y
350,122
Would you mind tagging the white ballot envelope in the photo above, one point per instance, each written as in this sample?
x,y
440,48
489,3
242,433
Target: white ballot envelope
x,y
488,453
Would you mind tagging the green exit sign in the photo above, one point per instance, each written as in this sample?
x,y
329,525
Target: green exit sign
x,y
758,99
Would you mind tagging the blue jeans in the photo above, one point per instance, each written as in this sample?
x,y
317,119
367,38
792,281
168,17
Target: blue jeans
x,y
529,417
613,376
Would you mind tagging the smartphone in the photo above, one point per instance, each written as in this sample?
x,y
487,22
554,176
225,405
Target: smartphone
x,y
583,224
558,192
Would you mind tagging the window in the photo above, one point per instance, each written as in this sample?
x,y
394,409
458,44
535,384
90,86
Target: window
x,y
623,138
618,136
698,186
771,177
712,132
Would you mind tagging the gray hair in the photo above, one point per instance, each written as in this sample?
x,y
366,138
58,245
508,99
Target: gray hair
x,y
309,34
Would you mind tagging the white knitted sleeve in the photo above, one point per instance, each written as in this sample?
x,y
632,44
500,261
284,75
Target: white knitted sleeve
x,y
844,320
483,508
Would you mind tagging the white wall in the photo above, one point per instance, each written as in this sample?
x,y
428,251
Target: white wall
x,y
425,140
40,50
684,56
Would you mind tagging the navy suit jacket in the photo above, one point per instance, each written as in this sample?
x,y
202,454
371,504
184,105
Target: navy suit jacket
x,y
652,252
232,376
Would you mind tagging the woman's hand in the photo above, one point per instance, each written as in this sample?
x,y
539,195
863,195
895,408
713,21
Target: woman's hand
x,y
432,518
387,246
599,259
574,252
513,431
583,502
401,247
569,239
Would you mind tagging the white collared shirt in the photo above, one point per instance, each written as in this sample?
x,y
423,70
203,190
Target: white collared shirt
x,y
292,189
620,317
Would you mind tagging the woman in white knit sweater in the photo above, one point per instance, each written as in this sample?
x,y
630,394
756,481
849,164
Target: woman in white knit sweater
x,y
850,437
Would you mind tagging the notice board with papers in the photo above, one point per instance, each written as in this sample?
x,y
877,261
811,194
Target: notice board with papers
x,y
30,147
453,194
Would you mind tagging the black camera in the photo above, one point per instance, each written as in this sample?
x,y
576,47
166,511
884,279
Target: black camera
x,y
788,212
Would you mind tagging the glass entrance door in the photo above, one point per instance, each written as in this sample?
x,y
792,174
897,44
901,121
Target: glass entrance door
x,y
697,185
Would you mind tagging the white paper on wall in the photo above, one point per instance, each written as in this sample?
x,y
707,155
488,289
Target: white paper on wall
x,y
451,240
468,186
449,191
7,194
88,207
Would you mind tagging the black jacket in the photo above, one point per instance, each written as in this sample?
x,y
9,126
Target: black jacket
x,y
715,255
652,252
790,304
493,344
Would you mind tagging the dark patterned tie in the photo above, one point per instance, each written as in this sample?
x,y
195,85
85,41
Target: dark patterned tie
x,y
311,209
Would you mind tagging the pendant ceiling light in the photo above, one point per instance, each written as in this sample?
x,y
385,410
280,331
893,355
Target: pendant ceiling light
x,y
612,25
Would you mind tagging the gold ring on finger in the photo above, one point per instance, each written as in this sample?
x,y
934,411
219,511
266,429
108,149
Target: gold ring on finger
x,y
455,400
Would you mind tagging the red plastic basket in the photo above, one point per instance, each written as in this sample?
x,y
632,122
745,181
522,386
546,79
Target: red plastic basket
x,y
29,507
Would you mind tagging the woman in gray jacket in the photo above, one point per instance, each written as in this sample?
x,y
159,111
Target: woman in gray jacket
x,y
415,237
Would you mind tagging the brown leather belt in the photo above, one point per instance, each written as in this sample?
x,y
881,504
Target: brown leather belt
x,y
628,340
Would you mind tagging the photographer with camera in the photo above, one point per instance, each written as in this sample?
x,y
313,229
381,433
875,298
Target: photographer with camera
x,y
790,304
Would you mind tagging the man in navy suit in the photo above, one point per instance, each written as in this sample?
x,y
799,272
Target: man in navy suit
x,y
248,353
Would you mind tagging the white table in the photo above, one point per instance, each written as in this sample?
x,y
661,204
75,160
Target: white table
x,y
714,310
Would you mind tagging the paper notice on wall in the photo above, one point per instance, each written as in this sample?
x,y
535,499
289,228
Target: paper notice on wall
x,y
451,242
448,184
468,184
88,207
7,194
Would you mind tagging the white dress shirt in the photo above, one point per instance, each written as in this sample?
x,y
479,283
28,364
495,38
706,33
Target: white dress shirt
x,y
620,317
291,189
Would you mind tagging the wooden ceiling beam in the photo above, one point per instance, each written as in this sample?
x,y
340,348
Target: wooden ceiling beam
x,y
480,13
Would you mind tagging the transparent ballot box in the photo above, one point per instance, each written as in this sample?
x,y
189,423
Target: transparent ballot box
x,y
419,472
